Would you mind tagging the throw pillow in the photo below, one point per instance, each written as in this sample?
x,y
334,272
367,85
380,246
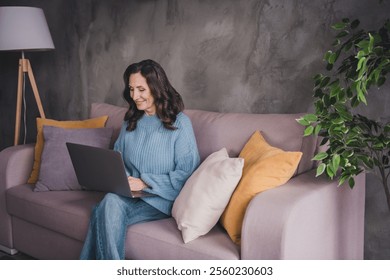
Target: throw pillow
x,y
90,123
205,194
265,167
56,171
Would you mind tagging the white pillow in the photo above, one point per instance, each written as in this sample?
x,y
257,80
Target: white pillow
x,y
206,193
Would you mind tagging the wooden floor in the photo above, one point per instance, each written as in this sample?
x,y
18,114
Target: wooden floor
x,y
18,256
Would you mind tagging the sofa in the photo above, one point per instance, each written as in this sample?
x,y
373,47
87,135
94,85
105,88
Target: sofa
x,y
308,217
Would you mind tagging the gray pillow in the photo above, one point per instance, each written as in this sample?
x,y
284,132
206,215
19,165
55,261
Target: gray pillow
x,y
56,172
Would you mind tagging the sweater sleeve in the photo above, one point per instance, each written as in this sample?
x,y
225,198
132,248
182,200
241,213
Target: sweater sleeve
x,y
187,160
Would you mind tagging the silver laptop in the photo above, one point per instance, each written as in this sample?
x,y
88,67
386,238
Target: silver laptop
x,y
102,170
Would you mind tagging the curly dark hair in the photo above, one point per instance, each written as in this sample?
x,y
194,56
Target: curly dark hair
x,y
167,100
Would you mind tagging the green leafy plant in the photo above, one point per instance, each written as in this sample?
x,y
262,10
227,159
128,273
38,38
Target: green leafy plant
x,y
358,62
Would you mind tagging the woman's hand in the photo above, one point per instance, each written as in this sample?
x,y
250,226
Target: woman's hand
x,y
136,184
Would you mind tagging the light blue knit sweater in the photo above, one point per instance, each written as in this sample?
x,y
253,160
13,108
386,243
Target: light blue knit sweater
x,y
164,159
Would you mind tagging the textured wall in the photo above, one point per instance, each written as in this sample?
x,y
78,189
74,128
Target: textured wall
x,y
222,55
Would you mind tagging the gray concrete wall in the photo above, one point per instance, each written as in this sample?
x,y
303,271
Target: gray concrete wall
x,y
221,55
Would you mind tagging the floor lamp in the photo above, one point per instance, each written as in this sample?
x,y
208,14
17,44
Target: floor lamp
x,y
24,29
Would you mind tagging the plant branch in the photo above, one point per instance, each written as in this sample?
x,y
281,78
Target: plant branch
x,y
354,142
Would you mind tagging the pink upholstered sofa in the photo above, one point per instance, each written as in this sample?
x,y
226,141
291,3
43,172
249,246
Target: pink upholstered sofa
x,y
306,218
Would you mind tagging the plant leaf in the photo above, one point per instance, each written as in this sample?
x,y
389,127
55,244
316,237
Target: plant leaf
x,y
329,171
351,182
360,54
348,46
371,44
360,63
387,128
342,34
320,169
327,55
342,179
336,43
308,131
363,44
320,156
355,23
317,129
339,26
361,96
310,118
324,81
302,121
332,58
335,162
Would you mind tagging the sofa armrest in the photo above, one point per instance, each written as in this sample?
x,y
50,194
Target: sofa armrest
x,y
307,218
15,167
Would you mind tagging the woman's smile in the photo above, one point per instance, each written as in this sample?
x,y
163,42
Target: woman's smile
x,y
141,94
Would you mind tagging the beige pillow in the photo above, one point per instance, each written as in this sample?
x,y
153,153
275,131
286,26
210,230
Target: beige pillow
x,y
90,123
266,167
205,194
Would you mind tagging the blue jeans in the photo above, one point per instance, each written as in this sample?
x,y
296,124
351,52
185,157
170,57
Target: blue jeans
x,y
108,226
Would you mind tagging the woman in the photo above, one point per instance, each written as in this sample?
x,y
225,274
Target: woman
x,y
159,150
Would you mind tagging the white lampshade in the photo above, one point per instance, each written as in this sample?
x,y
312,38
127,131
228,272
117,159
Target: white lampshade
x,y
24,29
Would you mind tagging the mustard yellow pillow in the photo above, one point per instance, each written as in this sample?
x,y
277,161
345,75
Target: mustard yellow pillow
x,y
265,167
90,123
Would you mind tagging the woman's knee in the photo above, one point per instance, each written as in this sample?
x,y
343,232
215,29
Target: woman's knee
x,y
111,203
111,198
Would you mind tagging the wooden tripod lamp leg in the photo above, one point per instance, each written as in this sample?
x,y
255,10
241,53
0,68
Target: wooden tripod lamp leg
x,y
18,102
25,67
35,90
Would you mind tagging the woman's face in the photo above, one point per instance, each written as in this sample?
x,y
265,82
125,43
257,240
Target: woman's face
x,y
140,93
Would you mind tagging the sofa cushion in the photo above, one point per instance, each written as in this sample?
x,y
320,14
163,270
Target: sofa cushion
x,y
61,211
56,171
232,130
206,193
115,115
161,240
90,123
68,213
265,167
